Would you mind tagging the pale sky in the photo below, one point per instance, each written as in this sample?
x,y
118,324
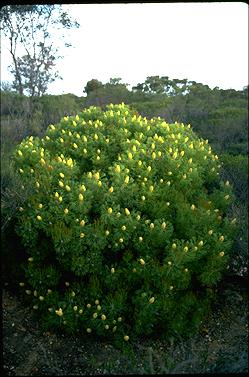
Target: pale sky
x,y
204,42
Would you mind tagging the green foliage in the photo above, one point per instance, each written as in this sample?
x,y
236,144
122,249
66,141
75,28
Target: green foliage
x,y
127,229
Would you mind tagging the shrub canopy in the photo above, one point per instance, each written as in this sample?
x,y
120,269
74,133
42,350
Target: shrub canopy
x,y
126,229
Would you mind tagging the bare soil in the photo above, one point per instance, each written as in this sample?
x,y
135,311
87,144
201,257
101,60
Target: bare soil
x,y
221,346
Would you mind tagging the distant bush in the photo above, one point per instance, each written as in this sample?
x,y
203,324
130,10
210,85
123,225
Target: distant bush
x,y
126,231
235,169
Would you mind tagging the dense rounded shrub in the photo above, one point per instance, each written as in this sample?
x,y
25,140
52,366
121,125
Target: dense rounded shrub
x,y
126,231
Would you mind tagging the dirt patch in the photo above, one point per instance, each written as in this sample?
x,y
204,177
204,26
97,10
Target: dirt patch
x,y
221,346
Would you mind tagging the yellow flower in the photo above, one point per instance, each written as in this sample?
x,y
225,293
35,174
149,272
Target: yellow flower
x,y
99,183
210,232
21,171
111,189
88,306
42,161
97,302
109,210
142,262
21,284
121,240
143,197
40,205
67,188
151,188
193,207
81,197
60,199
19,152
152,226
82,235
222,253
164,225
126,338
61,184
117,169
130,156
28,292
139,163
173,246
123,227
127,212
185,270
200,243
59,312
107,232
107,327
151,300
171,287
80,311
75,308
30,259
169,263
66,211
103,317
112,270
221,238
89,330
61,175
140,239
127,179
41,298
153,155
96,137
39,217
70,162
227,197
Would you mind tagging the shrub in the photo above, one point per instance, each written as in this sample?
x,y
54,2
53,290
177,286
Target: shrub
x,y
126,232
235,169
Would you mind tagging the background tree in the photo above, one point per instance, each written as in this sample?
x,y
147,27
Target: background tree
x,y
92,85
28,29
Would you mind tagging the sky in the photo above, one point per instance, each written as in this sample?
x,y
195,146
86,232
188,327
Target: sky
x,y
203,42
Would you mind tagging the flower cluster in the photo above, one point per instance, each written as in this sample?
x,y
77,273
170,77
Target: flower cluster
x,y
132,211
